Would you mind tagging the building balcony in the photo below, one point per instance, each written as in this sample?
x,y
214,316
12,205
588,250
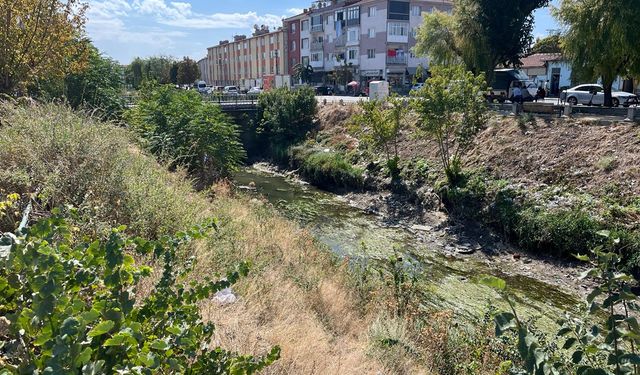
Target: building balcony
x,y
317,28
317,46
341,41
397,60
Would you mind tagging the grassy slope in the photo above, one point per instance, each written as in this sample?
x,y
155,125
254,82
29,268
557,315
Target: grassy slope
x,y
295,297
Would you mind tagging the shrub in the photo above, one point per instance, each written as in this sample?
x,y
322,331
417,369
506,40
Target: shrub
x,y
329,170
285,116
181,129
58,157
71,308
452,110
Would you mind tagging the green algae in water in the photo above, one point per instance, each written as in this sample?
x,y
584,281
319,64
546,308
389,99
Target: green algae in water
x,y
450,283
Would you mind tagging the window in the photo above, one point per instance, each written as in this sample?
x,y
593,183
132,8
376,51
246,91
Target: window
x,y
353,53
239,46
329,38
262,41
293,61
397,29
245,45
293,27
371,53
372,11
416,10
398,10
414,32
315,57
329,20
353,13
293,45
271,39
352,36
264,55
305,60
316,23
304,26
305,43
372,33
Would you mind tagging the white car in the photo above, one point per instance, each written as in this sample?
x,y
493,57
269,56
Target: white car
x,y
417,86
594,94
254,91
230,90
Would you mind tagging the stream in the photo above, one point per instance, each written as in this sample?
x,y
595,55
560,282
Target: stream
x,y
452,279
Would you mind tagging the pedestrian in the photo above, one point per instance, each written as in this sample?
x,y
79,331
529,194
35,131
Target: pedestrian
x,y
517,94
541,93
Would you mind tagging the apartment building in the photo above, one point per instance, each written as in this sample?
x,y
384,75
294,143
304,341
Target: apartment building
x,y
259,60
370,38
203,65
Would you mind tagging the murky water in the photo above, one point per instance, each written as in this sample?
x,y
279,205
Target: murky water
x,y
349,231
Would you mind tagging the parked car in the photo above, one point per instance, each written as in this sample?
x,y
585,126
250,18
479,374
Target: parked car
x,y
417,87
593,94
254,91
323,90
231,90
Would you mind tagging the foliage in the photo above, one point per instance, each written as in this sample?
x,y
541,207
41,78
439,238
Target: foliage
x,y
72,307
181,129
480,34
600,40
379,126
39,39
285,116
548,44
328,170
452,110
188,71
155,68
302,73
603,341
60,157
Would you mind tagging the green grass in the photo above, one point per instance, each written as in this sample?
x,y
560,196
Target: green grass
x,y
67,158
327,169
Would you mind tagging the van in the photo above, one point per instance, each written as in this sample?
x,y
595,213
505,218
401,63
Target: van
x,y
504,80
201,86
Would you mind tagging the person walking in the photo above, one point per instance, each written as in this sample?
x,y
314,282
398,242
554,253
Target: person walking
x,y
517,94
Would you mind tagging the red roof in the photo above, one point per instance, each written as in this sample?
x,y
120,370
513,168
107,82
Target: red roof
x,y
538,60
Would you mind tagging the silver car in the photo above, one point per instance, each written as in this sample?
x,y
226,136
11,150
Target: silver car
x,y
593,94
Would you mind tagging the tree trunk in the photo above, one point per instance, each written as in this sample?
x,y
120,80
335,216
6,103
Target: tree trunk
x,y
608,99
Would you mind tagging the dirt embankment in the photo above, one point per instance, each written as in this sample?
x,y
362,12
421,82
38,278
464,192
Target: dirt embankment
x,y
579,154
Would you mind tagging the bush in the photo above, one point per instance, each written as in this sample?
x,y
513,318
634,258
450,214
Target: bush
x,y
329,170
285,116
71,308
181,129
59,157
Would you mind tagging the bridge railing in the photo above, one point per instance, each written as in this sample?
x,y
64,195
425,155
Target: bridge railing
x,y
233,101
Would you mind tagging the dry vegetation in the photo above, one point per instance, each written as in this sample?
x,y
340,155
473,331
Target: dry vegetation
x,y
580,153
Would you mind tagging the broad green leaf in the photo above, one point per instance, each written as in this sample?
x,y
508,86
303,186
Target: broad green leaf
x,y
101,328
493,282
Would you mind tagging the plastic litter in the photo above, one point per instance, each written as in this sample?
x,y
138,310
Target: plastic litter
x,y
225,296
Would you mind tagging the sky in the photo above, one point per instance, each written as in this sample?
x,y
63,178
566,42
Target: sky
x,y
124,29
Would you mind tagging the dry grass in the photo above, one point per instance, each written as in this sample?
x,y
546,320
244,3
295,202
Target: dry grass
x,y
295,297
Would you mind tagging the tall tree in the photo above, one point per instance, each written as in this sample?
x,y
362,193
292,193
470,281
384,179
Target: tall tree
x,y
188,71
479,33
601,39
548,44
39,39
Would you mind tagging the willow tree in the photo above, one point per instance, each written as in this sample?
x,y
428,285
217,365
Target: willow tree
x,y
480,34
40,39
600,39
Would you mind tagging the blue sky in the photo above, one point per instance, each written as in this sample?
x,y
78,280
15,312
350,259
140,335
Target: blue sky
x,y
124,29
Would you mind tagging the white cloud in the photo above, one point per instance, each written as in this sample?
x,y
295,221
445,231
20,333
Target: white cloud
x,y
295,11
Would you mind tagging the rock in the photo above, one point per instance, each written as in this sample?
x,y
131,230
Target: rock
x,y
465,250
517,256
425,228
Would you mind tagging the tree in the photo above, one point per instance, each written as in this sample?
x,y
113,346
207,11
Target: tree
x,y
548,44
155,68
379,126
181,129
302,72
600,39
39,39
99,86
480,34
451,110
133,73
188,71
